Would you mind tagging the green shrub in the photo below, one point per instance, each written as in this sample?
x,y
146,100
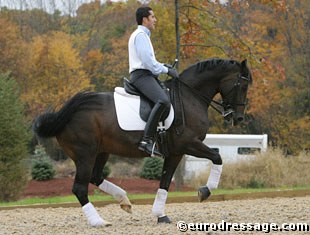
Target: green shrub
x,y
14,136
106,171
152,168
42,168
255,183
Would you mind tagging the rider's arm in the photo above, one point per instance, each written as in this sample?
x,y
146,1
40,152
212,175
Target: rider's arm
x,y
145,52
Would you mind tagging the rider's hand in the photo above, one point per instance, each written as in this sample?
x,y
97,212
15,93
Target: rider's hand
x,y
172,72
168,65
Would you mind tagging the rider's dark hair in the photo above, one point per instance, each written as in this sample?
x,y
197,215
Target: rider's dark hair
x,y
142,12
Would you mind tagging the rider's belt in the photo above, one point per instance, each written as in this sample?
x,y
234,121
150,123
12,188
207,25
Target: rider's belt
x,y
141,73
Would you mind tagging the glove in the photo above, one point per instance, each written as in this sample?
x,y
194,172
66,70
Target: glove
x,y
172,72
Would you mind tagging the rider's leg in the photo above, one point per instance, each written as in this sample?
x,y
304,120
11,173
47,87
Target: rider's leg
x,y
147,142
149,86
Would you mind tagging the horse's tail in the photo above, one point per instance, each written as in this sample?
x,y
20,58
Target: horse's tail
x,y
51,124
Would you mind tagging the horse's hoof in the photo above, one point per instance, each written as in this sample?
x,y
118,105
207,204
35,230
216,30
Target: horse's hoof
x,y
163,219
126,208
203,193
125,204
100,223
106,223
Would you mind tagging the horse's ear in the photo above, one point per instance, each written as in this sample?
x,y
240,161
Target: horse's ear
x,y
244,62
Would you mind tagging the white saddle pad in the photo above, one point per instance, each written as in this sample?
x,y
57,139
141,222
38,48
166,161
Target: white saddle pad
x,y
127,111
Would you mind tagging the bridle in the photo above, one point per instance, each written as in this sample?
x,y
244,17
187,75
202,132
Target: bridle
x,y
226,108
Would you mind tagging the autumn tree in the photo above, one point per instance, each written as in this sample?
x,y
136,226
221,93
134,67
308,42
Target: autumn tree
x,y
281,93
56,72
33,22
13,50
272,35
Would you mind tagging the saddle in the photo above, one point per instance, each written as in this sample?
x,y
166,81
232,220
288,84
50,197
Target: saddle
x,y
133,110
146,105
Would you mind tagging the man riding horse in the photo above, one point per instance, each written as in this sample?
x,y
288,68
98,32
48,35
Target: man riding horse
x,y
87,127
144,70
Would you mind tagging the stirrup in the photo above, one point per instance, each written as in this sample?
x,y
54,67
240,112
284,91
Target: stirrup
x,y
155,152
150,148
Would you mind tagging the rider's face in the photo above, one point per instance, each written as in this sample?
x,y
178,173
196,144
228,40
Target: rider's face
x,y
150,21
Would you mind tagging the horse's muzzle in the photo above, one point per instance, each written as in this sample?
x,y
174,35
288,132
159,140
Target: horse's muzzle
x,y
238,118
234,118
228,118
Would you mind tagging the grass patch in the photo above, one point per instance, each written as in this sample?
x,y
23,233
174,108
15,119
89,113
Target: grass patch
x,y
55,200
97,197
256,190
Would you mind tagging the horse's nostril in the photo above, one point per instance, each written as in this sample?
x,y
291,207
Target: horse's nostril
x,y
240,119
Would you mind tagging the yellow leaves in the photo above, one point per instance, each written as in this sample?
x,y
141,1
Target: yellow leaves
x,y
56,72
299,134
301,124
115,63
12,48
93,62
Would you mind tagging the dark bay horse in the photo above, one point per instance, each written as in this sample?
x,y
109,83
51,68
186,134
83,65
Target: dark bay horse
x,y
86,128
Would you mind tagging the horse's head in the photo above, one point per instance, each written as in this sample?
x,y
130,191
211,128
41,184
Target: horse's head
x,y
230,78
233,89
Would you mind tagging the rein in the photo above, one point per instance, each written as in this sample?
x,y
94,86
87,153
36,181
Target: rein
x,y
204,98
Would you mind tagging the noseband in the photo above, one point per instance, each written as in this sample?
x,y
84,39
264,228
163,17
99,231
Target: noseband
x,y
236,87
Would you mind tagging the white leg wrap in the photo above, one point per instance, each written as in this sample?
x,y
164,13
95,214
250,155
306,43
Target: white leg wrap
x,y
118,193
214,177
112,189
159,203
93,217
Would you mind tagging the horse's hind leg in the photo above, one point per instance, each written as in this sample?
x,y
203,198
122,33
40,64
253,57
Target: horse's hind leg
x,y
97,179
80,188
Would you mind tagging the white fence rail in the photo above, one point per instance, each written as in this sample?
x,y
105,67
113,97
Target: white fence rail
x,y
232,148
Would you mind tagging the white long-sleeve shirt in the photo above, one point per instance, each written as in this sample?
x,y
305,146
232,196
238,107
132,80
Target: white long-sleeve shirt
x,y
141,52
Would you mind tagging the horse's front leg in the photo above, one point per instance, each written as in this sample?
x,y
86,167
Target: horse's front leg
x,y
198,149
169,167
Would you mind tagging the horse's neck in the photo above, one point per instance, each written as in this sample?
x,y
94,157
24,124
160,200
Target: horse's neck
x,y
191,99
200,97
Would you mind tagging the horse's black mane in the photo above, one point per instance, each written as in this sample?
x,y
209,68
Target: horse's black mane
x,y
215,63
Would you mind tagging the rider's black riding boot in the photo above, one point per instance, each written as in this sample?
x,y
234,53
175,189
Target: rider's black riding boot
x,y
147,143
